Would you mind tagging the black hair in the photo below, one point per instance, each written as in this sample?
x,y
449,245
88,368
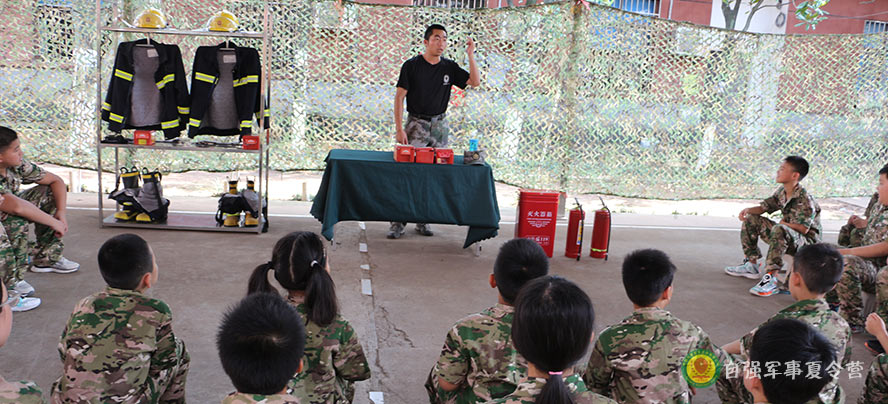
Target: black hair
x,y
646,275
820,265
552,327
299,263
7,136
124,259
519,260
884,170
431,29
261,341
799,165
790,340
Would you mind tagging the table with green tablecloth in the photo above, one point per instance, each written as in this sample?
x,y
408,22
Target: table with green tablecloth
x,y
371,186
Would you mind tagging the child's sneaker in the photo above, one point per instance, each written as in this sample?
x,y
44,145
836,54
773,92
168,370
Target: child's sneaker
x,y
62,266
23,288
857,329
766,287
746,270
27,303
874,346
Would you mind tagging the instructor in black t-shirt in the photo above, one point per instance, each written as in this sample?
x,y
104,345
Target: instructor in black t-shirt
x,y
425,81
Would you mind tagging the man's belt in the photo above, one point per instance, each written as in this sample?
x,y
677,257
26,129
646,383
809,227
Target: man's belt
x,y
427,117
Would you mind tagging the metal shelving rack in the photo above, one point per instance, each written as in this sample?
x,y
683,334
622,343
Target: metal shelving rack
x,y
179,220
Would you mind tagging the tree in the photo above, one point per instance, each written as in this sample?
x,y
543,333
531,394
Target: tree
x,y
809,13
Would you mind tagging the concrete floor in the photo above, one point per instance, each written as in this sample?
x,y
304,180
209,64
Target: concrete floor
x,y
420,286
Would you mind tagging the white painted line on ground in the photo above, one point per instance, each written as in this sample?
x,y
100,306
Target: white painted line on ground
x,y
366,288
365,267
362,225
617,226
362,247
376,397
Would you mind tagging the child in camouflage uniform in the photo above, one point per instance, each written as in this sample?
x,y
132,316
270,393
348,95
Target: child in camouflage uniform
x,y
816,269
261,342
118,345
478,362
334,358
782,342
799,226
851,233
876,388
639,360
43,205
553,326
14,392
865,266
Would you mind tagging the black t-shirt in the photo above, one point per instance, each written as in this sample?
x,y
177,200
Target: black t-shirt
x,y
428,85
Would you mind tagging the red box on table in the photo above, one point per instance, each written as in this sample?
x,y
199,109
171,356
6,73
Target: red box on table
x,y
250,142
143,138
443,156
404,153
425,155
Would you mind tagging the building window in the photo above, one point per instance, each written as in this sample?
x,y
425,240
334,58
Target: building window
x,y
875,27
451,3
645,7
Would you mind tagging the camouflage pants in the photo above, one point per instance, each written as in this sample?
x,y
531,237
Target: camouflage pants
x,y
850,236
780,238
169,384
859,276
15,248
437,395
731,390
427,133
876,388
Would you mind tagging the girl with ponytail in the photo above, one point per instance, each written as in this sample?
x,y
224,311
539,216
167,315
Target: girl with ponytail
x,y
552,328
334,358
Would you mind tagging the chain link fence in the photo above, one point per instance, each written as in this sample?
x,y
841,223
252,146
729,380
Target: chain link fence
x,y
572,98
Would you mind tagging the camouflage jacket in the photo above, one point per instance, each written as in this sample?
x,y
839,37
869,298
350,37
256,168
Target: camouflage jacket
x,y
639,360
116,344
334,360
20,393
818,314
529,388
243,398
801,208
478,353
27,173
876,230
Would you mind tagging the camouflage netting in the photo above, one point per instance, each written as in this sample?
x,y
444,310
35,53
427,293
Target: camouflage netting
x,y
598,100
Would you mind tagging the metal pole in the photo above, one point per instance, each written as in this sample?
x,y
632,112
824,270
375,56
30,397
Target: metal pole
x,y
98,108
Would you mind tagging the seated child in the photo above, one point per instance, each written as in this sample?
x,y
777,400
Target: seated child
x,y
118,345
639,360
14,392
778,343
261,342
334,358
799,226
816,270
478,362
552,329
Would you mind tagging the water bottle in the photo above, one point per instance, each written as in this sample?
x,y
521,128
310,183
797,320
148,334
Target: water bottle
x,y
473,144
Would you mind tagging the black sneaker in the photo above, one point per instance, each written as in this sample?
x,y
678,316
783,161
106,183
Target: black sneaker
x,y
396,231
874,346
424,229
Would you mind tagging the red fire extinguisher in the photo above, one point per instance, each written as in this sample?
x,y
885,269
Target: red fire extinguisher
x,y
574,246
601,232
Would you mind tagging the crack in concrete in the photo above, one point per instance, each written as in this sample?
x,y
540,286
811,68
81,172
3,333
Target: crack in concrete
x,y
390,326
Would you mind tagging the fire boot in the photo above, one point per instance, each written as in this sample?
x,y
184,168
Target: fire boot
x,y
251,211
125,197
230,206
153,205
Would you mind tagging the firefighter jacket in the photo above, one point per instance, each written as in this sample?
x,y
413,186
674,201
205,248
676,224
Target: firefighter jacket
x,y
245,81
169,78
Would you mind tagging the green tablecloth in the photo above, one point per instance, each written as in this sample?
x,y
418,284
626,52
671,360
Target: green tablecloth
x,y
370,186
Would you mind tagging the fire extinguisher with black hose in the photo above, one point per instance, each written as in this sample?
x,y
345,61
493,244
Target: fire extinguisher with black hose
x,y
601,232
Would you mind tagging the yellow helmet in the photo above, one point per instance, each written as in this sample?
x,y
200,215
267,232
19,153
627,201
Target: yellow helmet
x,y
223,21
151,18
